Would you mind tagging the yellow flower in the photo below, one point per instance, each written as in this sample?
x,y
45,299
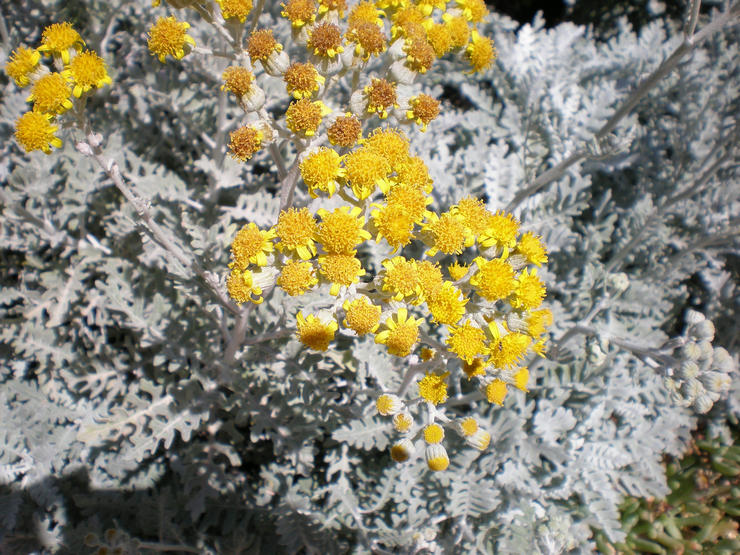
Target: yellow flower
x,y
296,230
341,230
401,278
467,426
479,440
467,342
262,45
447,305
237,80
496,392
430,278
405,17
364,12
480,53
325,40
529,290
364,170
402,451
302,80
168,37
338,6
458,28
341,270
501,230
447,234
315,333
297,277
299,12
381,97
361,315
395,224
303,117
22,63
401,334
473,10
413,171
422,110
457,271
521,377
251,246
345,131
235,9
436,457
439,37
87,70
475,368
474,215
402,422
58,38
433,388
34,131
494,279
51,94
322,170
530,246
390,143
411,199
241,287
368,38
419,54
245,142
506,351
434,433
388,404
538,321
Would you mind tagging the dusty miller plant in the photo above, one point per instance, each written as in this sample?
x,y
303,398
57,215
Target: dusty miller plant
x,y
142,408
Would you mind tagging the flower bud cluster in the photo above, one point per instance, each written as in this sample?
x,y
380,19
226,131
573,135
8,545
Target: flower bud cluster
x,y
702,373
74,72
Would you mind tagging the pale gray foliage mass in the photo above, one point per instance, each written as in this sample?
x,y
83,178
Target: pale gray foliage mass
x,y
122,407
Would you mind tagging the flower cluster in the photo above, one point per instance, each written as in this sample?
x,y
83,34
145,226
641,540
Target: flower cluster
x,y
74,73
473,298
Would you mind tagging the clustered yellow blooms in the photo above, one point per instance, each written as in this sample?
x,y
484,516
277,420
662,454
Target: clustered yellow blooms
x,y
472,301
75,73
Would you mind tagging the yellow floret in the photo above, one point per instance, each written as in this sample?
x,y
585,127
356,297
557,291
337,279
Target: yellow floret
x,y
22,63
508,350
473,10
315,333
322,171
390,143
51,94
474,215
364,170
34,131
57,40
529,290
530,246
447,305
297,277
475,368
87,70
496,392
457,271
361,315
251,246
401,278
302,80
303,117
238,9
480,53
436,456
501,231
521,377
242,288
401,333
299,12
381,97
434,433
467,342
296,230
430,278
341,270
433,388
342,230
394,223
494,279
447,234
168,37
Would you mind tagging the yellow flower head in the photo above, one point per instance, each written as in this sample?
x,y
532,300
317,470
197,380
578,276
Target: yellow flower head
x,y
261,45
341,230
410,199
459,31
419,54
501,231
473,10
299,12
402,451
475,368
434,433
457,271
87,70
401,333
241,287
496,392
168,37
433,388
325,40
369,40
388,404
436,457
34,131
364,12
341,270
315,333
238,9
402,422
508,350
439,37
381,97
521,377
427,354
296,231
403,19
22,63
58,38
447,305
237,80
303,117
390,143
430,278
538,321
401,278
337,6
345,131
529,291
251,246
414,172
422,110
447,234
364,170
51,94
467,342
467,426
480,53
479,440
302,80
394,223
322,170
530,246
494,279
474,214
297,277
245,142
361,315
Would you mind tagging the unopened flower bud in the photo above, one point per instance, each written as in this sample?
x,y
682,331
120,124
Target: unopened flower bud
x,y
388,404
691,351
619,282
692,388
277,63
707,351
703,330
693,317
689,369
703,403
436,457
716,382
401,73
722,360
402,451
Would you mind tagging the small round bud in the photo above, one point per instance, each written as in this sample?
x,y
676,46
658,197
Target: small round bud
x,y
619,282
388,404
402,422
703,403
692,388
707,351
693,317
479,440
689,369
722,360
402,451
703,330
690,351
436,457
716,382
